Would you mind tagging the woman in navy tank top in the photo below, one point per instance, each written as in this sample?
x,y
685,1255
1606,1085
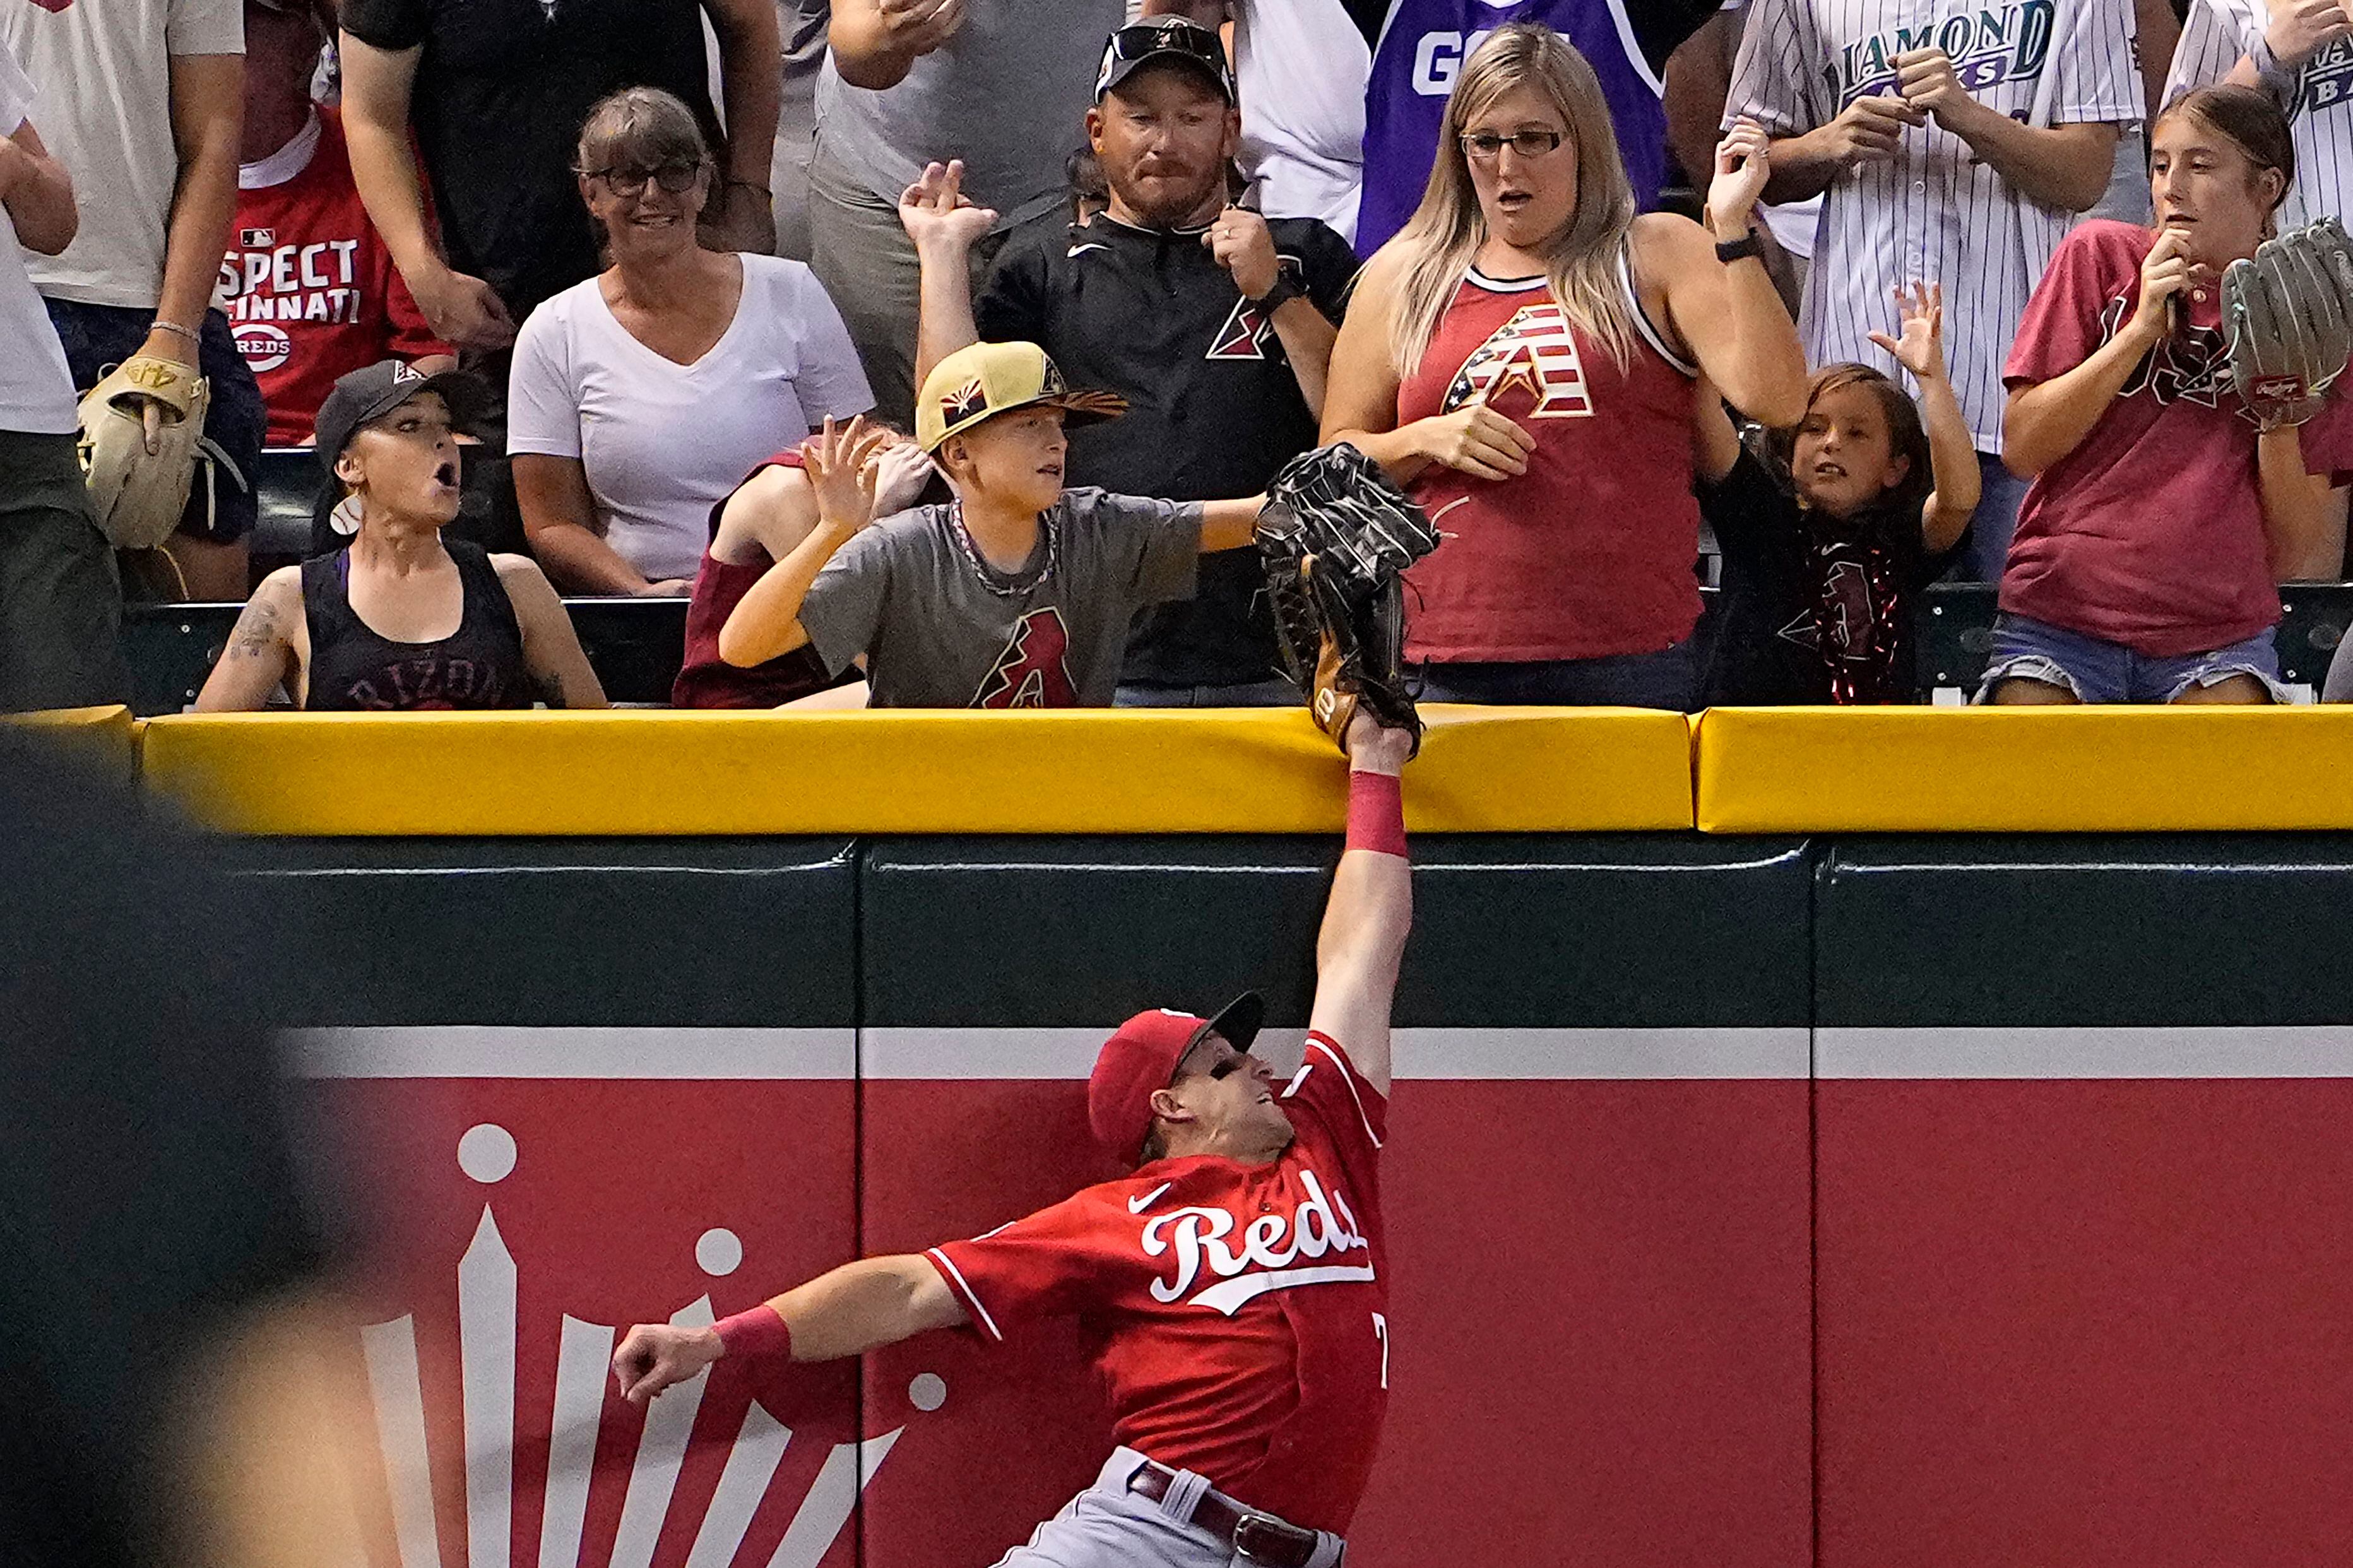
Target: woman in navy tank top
x,y
401,619
1523,357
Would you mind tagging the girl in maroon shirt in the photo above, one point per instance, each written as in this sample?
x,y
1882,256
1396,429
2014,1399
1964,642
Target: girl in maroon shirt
x,y
1523,358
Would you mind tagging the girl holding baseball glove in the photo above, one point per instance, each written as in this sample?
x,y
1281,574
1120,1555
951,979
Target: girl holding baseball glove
x,y
2170,395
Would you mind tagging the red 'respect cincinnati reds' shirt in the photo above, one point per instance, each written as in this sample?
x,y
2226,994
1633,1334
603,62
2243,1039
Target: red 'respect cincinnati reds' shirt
x,y
1240,1313
2150,533
313,293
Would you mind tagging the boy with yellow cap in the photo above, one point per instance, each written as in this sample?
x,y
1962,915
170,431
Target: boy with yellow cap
x,y
1019,593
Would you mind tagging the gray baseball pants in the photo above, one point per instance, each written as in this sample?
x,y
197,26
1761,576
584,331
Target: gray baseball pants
x,y
1108,1526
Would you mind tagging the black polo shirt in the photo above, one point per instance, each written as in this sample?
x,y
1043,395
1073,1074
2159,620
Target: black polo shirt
x,y
1214,406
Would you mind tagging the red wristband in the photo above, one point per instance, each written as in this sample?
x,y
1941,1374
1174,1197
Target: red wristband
x,y
760,1331
1375,814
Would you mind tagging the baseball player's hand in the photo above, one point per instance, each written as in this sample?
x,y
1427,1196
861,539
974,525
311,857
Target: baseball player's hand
x,y
1374,747
1476,440
654,1356
2165,272
1244,247
1930,83
1741,170
919,26
463,311
842,468
1920,346
2300,27
939,215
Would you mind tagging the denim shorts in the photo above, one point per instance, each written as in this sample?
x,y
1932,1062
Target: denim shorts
x,y
2101,671
221,504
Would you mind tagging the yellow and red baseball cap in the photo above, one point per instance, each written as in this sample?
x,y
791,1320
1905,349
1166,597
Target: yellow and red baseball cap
x,y
984,379
1141,1060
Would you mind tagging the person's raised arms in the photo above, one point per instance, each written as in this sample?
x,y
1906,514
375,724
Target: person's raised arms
x,y
1952,451
844,469
1370,911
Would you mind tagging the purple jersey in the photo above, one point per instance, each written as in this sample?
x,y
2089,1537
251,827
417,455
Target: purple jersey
x,y
1421,48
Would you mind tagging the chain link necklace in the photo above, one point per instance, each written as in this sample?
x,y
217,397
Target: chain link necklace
x,y
981,569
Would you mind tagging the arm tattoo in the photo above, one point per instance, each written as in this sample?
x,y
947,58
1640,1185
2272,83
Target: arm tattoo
x,y
256,635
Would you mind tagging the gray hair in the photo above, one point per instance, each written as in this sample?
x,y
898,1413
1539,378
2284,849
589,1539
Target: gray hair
x,y
640,128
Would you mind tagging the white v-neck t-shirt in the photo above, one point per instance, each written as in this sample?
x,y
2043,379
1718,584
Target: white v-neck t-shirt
x,y
662,442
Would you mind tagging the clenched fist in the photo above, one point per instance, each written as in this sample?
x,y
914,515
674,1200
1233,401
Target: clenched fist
x,y
654,1356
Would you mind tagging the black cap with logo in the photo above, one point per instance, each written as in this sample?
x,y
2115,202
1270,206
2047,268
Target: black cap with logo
x,y
1164,38
374,391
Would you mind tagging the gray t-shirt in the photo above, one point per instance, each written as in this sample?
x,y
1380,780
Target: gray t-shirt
x,y
1008,94
941,629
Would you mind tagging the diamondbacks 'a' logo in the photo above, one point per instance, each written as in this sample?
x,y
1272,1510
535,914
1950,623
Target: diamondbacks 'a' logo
x,y
1533,354
1244,335
964,402
1034,669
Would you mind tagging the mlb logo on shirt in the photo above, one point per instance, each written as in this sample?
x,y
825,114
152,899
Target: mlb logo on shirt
x,y
257,238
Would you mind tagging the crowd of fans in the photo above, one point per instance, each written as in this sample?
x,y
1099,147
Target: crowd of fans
x,y
940,350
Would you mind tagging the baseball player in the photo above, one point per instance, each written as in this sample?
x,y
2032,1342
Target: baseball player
x,y
1236,1282
1953,146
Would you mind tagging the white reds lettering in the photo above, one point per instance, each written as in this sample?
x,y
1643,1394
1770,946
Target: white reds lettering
x,y
1269,1245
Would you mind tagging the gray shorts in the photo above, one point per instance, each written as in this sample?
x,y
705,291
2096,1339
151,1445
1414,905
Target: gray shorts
x,y
1108,1526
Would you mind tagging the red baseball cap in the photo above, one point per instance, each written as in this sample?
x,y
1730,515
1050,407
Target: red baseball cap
x,y
1142,1057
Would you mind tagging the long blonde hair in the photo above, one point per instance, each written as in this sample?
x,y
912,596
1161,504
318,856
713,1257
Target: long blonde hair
x,y
1440,241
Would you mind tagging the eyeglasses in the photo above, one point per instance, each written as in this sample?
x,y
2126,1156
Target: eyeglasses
x,y
1485,146
676,178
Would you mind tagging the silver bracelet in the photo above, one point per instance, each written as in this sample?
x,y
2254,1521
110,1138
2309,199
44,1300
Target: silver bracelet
x,y
173,327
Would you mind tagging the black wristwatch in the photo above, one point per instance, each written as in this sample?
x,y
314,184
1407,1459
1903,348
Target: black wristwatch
x,y
1286,288
1730,252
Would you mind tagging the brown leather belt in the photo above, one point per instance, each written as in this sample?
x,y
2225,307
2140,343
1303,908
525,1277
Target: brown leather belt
x,y
1254,1537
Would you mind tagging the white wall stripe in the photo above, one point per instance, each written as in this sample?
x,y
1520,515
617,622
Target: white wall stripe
x,y
1438,1055
482,1051
2216,1051
1517,1053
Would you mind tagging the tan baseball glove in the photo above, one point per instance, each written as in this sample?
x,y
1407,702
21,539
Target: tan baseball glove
x,y
139,495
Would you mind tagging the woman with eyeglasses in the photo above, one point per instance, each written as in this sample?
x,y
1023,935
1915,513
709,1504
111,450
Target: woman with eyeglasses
x,y
1523,357
641,398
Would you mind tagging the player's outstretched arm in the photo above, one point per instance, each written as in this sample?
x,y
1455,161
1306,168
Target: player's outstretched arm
x,y
847,1312
1371,908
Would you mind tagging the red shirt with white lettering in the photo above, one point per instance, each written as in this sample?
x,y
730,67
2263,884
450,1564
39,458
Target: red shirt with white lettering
x,y
1239,1313
313,293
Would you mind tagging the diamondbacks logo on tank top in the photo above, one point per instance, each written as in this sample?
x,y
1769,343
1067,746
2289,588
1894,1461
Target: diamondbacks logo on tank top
x,y
1534,353
1032,671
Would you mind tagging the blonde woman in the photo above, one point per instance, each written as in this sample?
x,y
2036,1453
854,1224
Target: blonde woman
x,y
1522,357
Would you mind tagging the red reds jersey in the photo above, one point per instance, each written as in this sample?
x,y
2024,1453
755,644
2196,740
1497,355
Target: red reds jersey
x,y
311,289
1239,1312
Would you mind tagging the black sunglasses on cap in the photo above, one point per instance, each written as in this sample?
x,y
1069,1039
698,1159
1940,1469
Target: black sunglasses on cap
x,y
1132,48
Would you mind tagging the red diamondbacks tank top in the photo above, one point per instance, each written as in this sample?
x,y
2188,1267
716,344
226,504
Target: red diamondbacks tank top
x,y
1588,554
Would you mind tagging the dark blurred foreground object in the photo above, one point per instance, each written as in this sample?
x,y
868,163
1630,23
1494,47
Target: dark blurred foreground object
x,y
156,1268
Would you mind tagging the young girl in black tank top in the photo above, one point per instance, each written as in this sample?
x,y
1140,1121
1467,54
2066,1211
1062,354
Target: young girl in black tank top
x,y
386,433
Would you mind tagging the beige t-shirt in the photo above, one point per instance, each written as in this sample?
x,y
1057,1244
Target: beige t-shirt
x,y
107,116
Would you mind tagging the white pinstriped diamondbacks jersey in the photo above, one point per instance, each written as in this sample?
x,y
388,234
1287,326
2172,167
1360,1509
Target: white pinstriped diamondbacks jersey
x,y
1934,212
2320,117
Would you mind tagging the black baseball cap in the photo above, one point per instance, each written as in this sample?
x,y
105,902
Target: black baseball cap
x,y
1132,48
374,391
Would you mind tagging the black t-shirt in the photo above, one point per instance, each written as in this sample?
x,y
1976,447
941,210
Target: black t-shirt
x,y
150,1186
1215,408
503,87
1813,608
